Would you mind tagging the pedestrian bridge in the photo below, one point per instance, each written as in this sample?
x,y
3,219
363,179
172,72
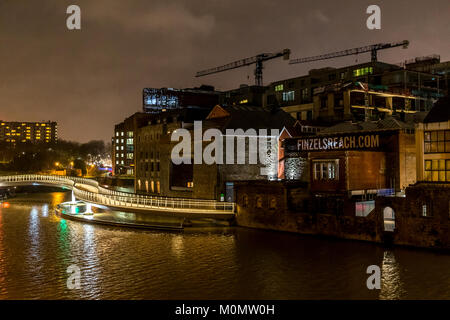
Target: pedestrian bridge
x,y
90,191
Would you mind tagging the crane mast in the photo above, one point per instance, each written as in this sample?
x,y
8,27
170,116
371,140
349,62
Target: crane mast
x,y
257,60
373,49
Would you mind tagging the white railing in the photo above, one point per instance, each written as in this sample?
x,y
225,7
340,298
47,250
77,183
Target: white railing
x,y
119,199
34,178
155,203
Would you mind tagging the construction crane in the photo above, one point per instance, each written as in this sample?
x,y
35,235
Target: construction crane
x,y
258,60
372,48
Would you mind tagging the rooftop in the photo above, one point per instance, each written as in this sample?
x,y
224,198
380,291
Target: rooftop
x,y
440,111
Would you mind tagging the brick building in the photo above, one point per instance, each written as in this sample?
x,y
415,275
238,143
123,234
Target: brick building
x,y
216,180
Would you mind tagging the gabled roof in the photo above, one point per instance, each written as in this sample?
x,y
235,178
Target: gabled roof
x,y
248,117
440,111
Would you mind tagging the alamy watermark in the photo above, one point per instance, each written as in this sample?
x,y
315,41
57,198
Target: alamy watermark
x,y
74,279
252,147
374,280
73,22
374,20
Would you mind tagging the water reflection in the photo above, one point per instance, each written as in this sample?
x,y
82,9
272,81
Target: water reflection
x,y
177,245
44,210
3,290
213,263
33,231
391,282
90,269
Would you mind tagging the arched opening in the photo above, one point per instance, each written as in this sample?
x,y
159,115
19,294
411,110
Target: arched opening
x,y
389,219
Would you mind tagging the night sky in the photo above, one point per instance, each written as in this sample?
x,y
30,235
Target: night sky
x,y
88,80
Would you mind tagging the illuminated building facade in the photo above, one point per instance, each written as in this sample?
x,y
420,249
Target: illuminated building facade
x,y
155,173
367,91
433,144
14,133
354,162
124,144
216,180
157,100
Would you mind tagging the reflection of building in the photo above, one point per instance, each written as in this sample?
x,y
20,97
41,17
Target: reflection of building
x,y
15,133
163,99
433,144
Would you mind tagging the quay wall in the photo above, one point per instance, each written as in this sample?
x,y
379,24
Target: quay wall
x,y
286,207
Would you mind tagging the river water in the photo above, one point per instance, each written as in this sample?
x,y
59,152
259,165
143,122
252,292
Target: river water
x,y
37,247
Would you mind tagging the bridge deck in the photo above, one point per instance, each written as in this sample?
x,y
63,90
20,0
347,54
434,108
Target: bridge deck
x,y
88,190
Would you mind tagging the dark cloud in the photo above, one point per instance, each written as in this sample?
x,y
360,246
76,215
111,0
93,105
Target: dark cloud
x,y
90,79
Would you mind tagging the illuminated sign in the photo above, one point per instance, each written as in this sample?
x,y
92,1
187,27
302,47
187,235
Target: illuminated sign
x,y
333,143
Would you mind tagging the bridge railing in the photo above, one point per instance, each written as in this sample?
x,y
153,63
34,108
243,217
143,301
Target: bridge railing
x,y
154,203
57,180
122,199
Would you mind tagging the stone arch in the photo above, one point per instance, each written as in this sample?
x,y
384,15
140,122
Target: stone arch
x,y
389,219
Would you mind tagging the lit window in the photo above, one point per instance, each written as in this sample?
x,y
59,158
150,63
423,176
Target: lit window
x,y
362,71
326,169
437,170
288,96
424,210
279,87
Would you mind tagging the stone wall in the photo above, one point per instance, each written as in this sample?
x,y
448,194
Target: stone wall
x,y
411,226
290,207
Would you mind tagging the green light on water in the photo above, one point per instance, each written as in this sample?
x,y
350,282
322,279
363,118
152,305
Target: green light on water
x,y
63,225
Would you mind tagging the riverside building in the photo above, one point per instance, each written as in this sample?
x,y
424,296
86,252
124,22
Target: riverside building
x,y
155,101
354,161
433,144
